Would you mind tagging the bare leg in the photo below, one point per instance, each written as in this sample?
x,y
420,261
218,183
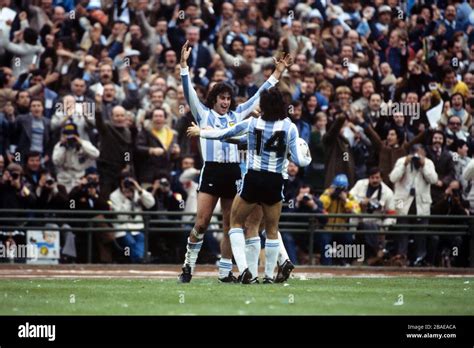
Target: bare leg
x,y
205,207
226,205
271,215
206,204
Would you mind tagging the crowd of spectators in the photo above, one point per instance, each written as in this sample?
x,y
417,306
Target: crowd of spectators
x,y
93,114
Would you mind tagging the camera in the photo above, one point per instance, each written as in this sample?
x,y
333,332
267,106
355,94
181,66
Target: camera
x,y
49,181
15,175
128,183
91,183
337,192
416,161
70,142
307,197
372,206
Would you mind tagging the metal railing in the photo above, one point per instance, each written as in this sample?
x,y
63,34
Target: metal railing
x,y
82,221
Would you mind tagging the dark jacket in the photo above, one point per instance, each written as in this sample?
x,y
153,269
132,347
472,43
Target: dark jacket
x,y
11,198
4,135
444,166
21,136
338,154
149,166
388,155
203,58
116,148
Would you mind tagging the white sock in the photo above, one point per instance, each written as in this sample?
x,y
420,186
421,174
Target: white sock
x,y
225,266
283,255
272,248
252,252
237,242
192,252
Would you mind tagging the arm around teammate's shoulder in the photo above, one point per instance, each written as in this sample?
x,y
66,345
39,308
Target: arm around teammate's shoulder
x,y
238,129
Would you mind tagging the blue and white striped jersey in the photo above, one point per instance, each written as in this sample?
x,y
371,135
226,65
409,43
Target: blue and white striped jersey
x,y
268,143
215,150
242,140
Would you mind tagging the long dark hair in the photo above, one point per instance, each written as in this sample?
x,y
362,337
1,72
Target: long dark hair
x,y
220,88
272,105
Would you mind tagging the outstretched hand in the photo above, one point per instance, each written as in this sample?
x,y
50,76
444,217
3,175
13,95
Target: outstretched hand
x,y
284,61
193,131
185,53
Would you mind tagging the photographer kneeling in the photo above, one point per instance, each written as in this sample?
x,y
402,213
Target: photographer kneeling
x,y
374,197
337,200
131,197
452,203
304,202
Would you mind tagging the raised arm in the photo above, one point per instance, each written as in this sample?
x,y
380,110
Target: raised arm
x,y
220,134
246,108
334,130
198,110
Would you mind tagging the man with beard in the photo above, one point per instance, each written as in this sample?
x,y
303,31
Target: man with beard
x,y
443,162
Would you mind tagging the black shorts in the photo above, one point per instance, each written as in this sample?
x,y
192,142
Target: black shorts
x,y
220,179
262,187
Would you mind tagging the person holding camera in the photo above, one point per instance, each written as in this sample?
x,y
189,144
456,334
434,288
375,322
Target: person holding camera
x,y
131,197
85,196
390,150
412,177
72,155
53,196
165,198
337,200
374,197
303,201
452,203
15,193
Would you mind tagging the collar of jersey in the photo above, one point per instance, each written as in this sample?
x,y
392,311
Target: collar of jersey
x,y
219,115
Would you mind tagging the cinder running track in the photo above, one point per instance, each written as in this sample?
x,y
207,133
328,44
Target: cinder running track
x,y
23,271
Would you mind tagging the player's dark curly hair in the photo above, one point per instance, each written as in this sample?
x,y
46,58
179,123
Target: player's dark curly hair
x,y
272,105
220,88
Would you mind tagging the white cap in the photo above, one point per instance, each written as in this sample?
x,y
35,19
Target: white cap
x,y
384,8
130,53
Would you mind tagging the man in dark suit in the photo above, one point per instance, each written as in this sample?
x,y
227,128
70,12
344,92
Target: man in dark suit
x,y
444,165
200,55
32,132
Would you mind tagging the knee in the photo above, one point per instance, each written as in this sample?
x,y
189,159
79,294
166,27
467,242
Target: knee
x,y
271,234
201,225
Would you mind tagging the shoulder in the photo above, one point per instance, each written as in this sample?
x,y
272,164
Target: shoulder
x,y
22,118
290,125
116,195
387,189
362,183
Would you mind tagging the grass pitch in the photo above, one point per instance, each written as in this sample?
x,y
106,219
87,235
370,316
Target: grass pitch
x,y
205,296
